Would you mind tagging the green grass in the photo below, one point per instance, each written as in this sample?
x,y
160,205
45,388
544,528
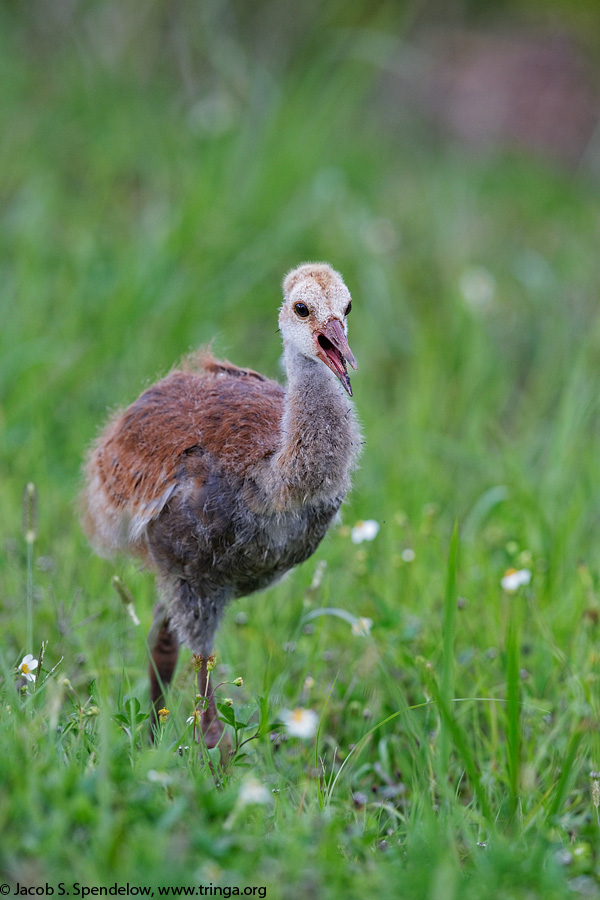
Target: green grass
x,y
142,216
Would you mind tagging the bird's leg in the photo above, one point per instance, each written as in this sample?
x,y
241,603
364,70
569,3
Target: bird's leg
x,y
212,727
164,648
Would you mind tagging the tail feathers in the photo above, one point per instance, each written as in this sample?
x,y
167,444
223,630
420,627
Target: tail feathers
x,y
113,529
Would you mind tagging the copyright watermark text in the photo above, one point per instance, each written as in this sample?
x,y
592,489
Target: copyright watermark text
x,y
77,889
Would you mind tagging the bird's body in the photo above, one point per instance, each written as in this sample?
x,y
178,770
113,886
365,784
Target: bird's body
x,y
220,479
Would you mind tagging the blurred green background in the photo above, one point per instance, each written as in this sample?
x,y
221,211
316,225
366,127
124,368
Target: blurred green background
x,y
162,165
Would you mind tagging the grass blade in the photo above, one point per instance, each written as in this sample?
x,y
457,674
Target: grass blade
x,y
449,632
566,774
513,718
454,731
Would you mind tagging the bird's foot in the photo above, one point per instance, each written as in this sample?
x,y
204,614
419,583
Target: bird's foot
x,y
215,733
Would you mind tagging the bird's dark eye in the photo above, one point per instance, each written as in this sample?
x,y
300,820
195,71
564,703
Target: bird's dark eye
x,y
348,309
301,309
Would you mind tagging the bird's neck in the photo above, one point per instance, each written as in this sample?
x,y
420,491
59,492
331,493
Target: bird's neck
x,y
320,438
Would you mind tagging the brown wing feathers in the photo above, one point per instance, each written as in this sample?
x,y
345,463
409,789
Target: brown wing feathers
x,y
229,413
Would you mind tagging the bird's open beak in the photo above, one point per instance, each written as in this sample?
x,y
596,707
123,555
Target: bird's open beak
x,y
333,349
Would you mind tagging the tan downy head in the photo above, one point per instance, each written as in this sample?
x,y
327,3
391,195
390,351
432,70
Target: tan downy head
x,y
313,317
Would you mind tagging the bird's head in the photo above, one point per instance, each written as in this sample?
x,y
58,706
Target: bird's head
x,y
316,304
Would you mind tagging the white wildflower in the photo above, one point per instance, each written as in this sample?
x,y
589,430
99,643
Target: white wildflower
x,y
478,287
195,718
157,777
364,531
362,626
252,791
28,664
300,723
514,579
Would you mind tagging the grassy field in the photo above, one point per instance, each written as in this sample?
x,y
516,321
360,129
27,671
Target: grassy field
x,y
146,211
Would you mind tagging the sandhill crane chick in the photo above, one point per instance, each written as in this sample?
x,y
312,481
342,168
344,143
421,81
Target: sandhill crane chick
x,y
222,480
